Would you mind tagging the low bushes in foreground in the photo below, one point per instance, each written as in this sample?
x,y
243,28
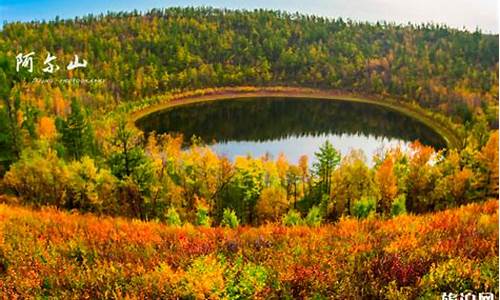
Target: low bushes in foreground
x,y
49,253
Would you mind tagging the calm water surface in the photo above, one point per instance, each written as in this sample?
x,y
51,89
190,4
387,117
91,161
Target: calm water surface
x,y
259,126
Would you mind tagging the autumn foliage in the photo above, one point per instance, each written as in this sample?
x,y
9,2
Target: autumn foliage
x,y
111,213
49,253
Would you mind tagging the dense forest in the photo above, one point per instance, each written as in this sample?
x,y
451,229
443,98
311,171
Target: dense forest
x,y
70,145
172,49
134,215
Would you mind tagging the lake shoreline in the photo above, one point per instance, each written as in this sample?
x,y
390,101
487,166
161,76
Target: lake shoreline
x,y
207,95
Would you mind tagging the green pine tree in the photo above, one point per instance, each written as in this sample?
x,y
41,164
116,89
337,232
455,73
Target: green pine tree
x,y
327,159
77,134
10,105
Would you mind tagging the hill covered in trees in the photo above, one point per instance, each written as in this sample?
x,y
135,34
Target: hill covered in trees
x,y
397,228
165,50
70,145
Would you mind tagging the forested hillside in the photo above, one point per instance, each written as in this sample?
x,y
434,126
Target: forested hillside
x,y
136,216
183,49
69,145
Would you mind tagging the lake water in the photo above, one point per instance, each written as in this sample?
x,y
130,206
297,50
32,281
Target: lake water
x,y
294,126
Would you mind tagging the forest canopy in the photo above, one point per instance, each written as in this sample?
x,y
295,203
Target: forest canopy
x,y
92,207
71,145
176,49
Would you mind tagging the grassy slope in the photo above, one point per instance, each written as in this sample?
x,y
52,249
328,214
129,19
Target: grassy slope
x,y
448,134
49,252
